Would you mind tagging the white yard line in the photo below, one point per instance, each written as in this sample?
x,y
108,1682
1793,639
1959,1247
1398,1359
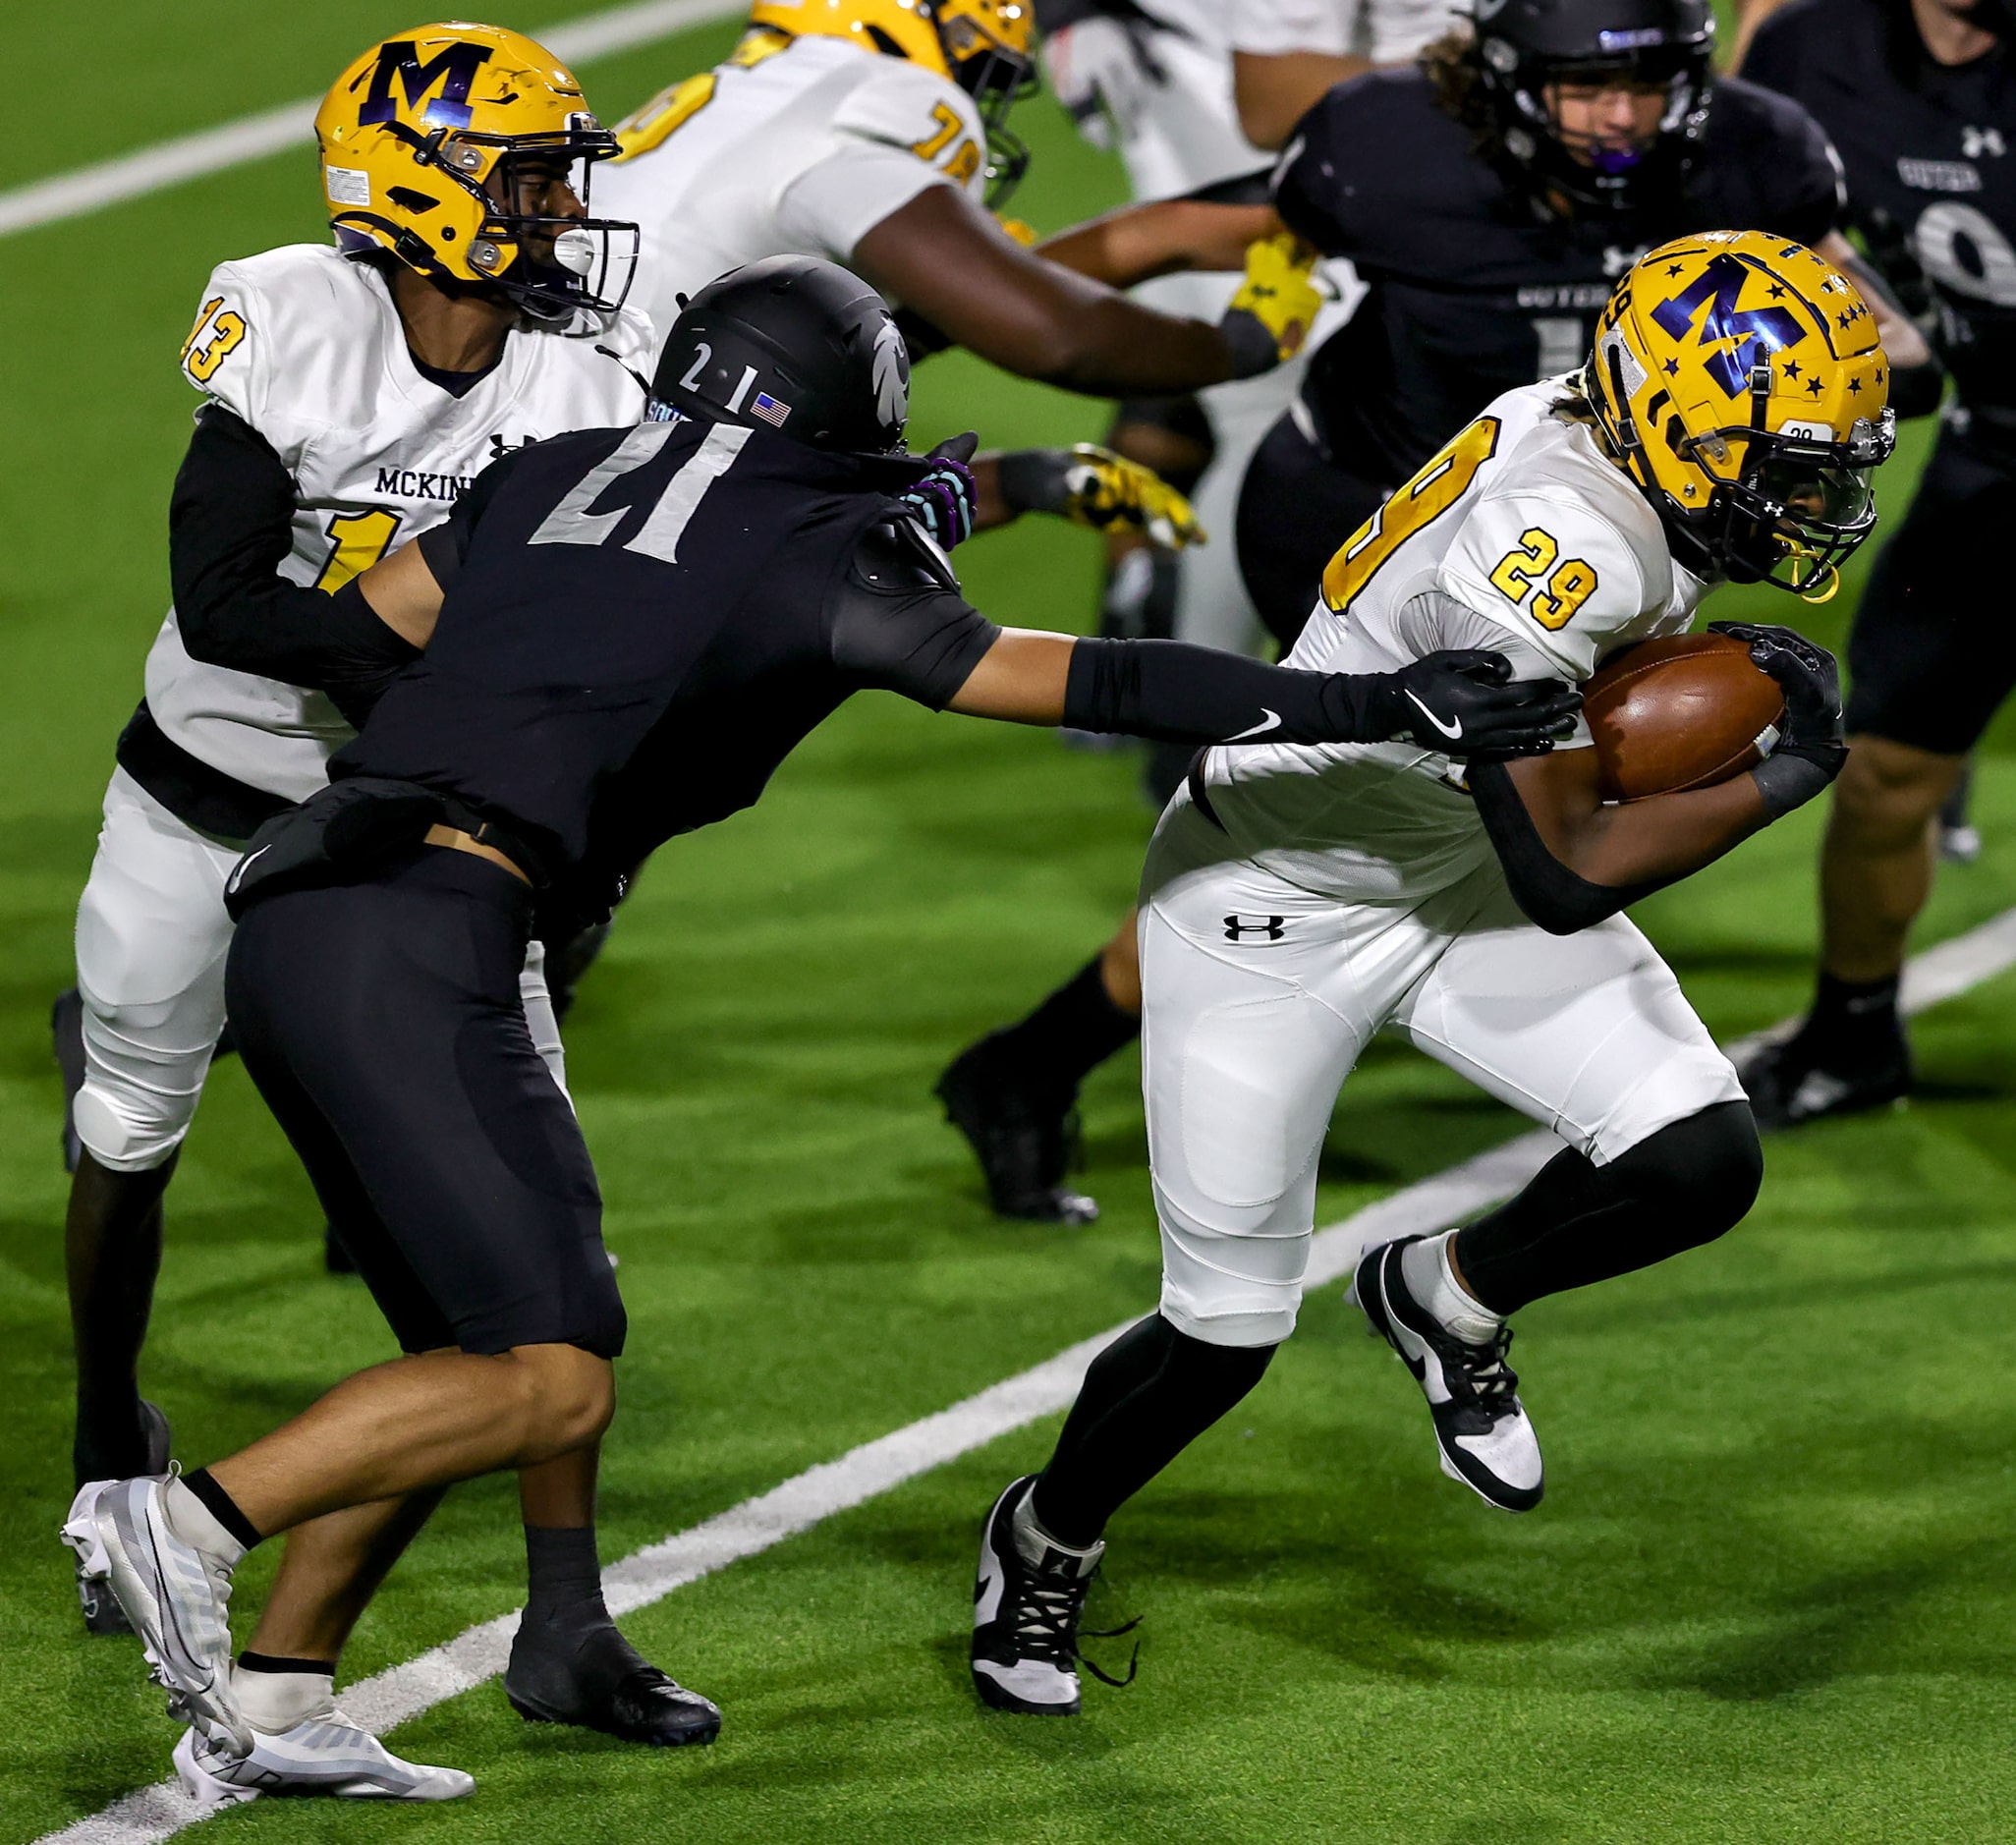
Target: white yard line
x,y
293,124
646,1576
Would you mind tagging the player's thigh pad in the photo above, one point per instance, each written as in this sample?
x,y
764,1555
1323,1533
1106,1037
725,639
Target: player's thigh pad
x,y
1257,997
410,1042
1590,1034
151,937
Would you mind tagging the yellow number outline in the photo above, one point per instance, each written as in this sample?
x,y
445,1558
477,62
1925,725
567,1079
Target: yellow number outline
x,y
357,540
1520,570
1413,508
226,330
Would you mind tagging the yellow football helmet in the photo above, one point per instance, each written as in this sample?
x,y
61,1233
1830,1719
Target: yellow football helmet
x,y
987,47
1742,386
464,151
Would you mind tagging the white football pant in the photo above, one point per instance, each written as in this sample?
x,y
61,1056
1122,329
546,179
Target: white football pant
x,y
1258,996
151,936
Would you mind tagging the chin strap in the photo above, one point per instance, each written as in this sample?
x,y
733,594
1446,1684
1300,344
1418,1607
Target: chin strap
x,y
1821,581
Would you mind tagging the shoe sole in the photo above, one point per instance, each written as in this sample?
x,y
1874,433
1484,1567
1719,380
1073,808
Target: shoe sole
x,y
92,1532
533,1713
1380,1317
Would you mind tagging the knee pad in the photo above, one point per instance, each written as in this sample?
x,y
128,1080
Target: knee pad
x,y
1224,1288
123,1140
1707,1167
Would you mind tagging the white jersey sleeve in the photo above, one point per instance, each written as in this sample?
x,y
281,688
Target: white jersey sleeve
x,y
1555,576
902,129
1386,32
229,354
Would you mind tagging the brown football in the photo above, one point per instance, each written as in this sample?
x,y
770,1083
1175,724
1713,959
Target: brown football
x,y
1684,712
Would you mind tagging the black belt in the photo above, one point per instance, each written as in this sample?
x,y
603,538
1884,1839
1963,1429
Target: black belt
x,y
198,795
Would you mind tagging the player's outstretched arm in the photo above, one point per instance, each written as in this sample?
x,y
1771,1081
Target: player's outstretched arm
x,y
949,262
1572,861
1176,692
1160,237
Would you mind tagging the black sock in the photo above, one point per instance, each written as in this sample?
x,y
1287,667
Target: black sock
x,y
1073,1032
563,1577
1853,1015
1577,1222
221,1507
1147,1397
249,1662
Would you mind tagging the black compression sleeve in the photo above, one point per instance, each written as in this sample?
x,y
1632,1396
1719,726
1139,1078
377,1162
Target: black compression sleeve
x,y
229,530
896,618
1553,897
1177,692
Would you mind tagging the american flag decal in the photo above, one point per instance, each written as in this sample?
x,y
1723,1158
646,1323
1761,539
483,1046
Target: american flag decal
x,y
769,409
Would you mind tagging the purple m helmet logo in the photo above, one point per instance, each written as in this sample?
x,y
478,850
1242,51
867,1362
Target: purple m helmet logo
x,y
454,69
1743,334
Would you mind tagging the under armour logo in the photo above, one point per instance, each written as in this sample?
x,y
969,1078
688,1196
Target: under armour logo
x,y
1617,259
1271,927
1976,141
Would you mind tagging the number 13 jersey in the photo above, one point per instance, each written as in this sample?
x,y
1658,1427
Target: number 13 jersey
x,y
305,346
1519,538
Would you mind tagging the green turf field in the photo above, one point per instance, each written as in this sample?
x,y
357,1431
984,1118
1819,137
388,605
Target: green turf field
x,y
1768,1597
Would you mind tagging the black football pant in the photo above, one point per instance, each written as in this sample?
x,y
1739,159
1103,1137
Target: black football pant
x,y
1151,1393
1296,509
382,1023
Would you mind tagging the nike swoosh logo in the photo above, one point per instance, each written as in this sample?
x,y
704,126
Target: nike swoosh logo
x,y
1451,731
243,865
1272,721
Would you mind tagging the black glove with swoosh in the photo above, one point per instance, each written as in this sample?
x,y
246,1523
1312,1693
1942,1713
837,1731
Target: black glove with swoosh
x,y
1812,743
1467,703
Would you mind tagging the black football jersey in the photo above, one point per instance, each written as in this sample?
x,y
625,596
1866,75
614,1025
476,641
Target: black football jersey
x,y
1930,151
639,624
1473,289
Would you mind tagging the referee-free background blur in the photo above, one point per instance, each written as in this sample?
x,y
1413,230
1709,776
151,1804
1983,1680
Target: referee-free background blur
x,y
1770,1596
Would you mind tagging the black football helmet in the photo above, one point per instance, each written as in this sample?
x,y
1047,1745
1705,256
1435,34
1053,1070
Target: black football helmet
x,y
795,343
1525,46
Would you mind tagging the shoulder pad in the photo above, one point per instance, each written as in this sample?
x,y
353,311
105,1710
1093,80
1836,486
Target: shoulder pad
x,y
893,557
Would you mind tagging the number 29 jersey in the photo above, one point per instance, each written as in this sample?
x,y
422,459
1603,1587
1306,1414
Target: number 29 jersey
x,y
1520,538
305,346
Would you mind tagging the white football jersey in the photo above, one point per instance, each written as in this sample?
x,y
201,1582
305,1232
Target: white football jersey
x,y
1551,556
794,151
306,346
1386,32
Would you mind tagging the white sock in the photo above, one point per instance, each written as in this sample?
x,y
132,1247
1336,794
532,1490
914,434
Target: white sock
x,y
1425,1267
190,1519
273,1703
1032,1539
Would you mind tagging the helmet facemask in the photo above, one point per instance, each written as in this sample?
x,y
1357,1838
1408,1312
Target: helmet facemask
x,y
1610,179
551,264
996,76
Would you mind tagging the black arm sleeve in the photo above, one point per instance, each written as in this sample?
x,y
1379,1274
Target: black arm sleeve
x,y
1177,692
445,546
896,620
1552,897
229,530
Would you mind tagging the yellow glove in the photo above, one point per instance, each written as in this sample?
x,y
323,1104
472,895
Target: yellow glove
x,y
1023,233
1278,302
1107,491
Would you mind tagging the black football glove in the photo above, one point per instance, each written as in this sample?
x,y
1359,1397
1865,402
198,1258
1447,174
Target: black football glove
x,y
1468,704
1812,746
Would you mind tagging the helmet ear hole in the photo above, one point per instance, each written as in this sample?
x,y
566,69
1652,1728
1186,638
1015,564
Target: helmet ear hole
x,y
407,199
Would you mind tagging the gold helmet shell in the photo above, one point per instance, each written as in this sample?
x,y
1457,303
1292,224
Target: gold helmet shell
x,y
422,140
1741,383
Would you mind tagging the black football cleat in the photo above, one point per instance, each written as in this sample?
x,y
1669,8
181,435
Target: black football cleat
x,y
1027,1617
1806,1078
102,1614
594,1679
1481,1430
1025,1134
66,1034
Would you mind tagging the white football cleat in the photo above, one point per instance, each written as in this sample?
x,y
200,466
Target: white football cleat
x,y
325,1752
177,1597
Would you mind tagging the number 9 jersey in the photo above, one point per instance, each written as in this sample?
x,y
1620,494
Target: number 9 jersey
x,y
1518,537
303,346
